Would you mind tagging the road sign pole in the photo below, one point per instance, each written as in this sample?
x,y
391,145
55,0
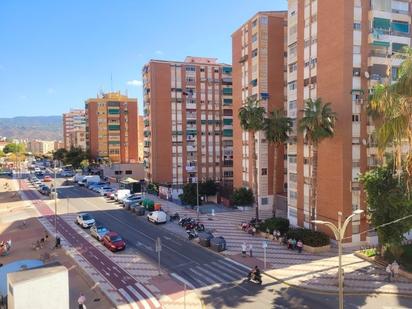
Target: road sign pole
x,y
158,248
184,296
264,258
158,257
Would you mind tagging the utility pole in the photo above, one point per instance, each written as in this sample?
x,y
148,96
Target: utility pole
x,y
55,202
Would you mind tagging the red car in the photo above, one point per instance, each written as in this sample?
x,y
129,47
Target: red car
x,y
47,179
113,242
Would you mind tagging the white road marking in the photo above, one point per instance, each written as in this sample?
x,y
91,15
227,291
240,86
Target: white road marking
x,y
176,276
148,293
139,296
128,298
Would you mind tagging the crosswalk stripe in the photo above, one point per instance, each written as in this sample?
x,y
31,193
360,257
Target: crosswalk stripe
x,y
210,274
139,296
199,283
176,276
232,266
150,295
203,278
222,272
235,275
239,264
128,298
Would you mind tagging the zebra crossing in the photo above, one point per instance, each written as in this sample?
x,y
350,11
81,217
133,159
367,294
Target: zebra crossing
x,y
222,271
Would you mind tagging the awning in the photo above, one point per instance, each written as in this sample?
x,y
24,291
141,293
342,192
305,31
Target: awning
x,y
357,91
381,43
381,23
129,180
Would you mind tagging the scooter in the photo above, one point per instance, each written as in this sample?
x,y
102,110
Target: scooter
x,y
183,221
175,217
255,278
192,234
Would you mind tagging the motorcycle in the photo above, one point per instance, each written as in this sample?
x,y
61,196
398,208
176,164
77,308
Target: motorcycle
x,y
192,234
199,227
255,278
184,221
175,217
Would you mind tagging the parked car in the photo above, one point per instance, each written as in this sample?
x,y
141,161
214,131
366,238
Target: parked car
x,y
121,194
113,241
45,190
105,190
98,231
139,210
109,195
85,220
66,173
132,199
47,179
157,217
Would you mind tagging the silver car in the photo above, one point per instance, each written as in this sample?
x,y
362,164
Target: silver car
x,y
98,231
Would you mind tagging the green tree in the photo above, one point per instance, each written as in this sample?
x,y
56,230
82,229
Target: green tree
x,y
317,124
75,156
252,117
207,188
189,195
2,153
243,197
387,200
13,148
277,129
60,154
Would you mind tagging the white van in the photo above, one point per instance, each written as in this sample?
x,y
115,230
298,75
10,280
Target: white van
x,y
120,194
88,179
157,217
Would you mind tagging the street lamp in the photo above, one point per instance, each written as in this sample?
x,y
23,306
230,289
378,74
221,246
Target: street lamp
x,y
55,200
339,232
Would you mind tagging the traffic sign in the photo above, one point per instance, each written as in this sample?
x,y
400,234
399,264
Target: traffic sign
x,y
264,244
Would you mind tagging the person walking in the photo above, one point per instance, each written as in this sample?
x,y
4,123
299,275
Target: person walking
x,y
395,269
293,243
244,249
299,245
250,250
81,300
389,272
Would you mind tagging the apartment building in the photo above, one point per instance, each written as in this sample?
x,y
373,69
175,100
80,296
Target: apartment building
x,y
140,138
111,128
39,147
74,129
188,121
337,51
259,59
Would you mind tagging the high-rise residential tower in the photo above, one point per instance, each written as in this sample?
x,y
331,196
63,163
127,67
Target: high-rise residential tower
x,y
337,50
258,57
188,121
112,127
140,138
74,129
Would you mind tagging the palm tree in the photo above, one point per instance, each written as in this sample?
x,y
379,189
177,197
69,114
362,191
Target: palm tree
x,y
277,129
251,116
317,124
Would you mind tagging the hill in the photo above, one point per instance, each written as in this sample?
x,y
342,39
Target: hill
x,y
36,127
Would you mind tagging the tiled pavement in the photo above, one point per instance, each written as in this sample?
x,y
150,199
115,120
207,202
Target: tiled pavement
x,y
306,270
139,292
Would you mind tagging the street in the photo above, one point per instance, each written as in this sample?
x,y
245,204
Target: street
x,y
219,281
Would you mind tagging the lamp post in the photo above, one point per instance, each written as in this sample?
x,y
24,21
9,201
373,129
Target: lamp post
x,y
339,232
55,201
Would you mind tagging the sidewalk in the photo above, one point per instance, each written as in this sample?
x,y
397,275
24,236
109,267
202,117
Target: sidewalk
x,y
13,212
316,272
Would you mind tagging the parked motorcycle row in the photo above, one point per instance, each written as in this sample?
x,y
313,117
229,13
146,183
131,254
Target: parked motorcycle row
x,y
192,227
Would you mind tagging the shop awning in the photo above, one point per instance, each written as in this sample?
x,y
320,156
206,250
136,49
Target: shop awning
x,y
381,23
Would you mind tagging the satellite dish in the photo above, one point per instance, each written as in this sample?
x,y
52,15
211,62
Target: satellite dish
x,y
367,75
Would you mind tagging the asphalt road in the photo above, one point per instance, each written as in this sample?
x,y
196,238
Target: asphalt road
x,y
220,281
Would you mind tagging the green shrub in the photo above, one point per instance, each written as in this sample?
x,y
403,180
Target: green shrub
x,y
309,237
275,224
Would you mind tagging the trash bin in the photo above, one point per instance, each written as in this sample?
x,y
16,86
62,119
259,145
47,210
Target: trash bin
x,y
157,206
218,244
204,238
58,242
139,210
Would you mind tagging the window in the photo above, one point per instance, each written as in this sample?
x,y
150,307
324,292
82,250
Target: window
x,y
264,201
264,20
190,68
254,38
292,85
292,104
355,118
292,50
356,71
264,171
254,53
356,49
356,26
254,23
128,172
293,67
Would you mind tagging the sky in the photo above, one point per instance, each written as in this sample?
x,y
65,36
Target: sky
x,y
56,54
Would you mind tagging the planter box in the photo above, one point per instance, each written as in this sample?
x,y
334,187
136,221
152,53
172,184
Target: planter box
x,y
316,249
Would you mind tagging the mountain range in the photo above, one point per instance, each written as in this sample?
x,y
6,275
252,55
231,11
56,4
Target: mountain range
x,y
36,127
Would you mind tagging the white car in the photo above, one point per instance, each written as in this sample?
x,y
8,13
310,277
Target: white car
x,y
157,217
85,220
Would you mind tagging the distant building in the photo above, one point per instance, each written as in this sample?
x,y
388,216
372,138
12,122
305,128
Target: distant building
x,y
58,145
111,128
188,121
38,147
74,129
140,139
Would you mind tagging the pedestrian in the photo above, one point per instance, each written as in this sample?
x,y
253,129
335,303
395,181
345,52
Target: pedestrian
x,y
81,300
46,235
299,245
250,250
293,243
277,235
389,272
267,232
244,249
395,269
274,235
253,231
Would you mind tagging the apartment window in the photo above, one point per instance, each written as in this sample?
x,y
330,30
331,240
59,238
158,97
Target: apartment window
x,y
202,69
263,20
264,171
356,71
254,53
254,38
292,50
356,49
292,159
216,70
355,118
254,23
264,201
356,26
292,104
190,68
128,172
293,177
292,85
293,67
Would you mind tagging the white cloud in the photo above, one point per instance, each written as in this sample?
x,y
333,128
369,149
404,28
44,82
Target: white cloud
x,y
51,91
159,52
135,82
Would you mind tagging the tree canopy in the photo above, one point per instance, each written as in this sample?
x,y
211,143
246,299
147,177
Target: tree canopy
x,y
12,148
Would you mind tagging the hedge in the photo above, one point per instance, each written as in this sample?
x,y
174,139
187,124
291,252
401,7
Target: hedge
x,y
274,224
309,237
